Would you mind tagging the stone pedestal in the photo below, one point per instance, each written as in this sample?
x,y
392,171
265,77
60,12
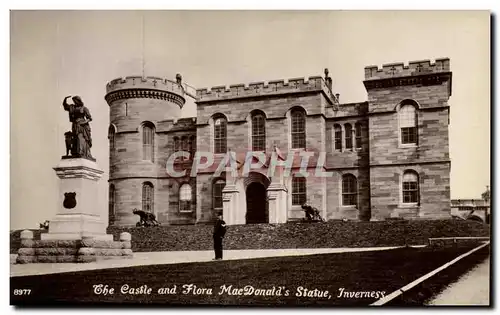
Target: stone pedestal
x,y
77,233
78,214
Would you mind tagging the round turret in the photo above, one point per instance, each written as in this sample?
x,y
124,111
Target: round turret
x,y
138,106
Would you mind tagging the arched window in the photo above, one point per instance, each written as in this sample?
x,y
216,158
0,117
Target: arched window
x,y
408,124
410,187
357,130
258,132
147,197
298,129
349,190
111,137
177,144
220,135
111,204
299,192
338,137
185,197
217,188
148,142
348,136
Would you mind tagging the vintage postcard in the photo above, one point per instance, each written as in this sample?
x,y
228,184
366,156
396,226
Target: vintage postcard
x,y
250,158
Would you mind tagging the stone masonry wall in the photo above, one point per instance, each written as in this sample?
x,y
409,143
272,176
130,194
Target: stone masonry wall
x,y
432,145
386,192
128,195
336,210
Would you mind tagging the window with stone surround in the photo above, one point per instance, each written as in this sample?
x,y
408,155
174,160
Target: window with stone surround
x,y
357,131
408,124
348,136
338,137
111,137
258,132
185,197
147,197
217,188
220,135
299,191
111,204
349,190
410,187
148,142
298,129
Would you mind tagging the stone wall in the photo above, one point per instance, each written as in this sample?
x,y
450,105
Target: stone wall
x,y
375,165
434,196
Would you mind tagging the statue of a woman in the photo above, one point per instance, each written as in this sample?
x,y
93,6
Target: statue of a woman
x,y
79,116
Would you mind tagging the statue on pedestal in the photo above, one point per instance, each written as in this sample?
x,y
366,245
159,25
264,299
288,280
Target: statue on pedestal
x,y
79,140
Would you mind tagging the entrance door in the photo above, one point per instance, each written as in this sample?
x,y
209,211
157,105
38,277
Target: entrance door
x,y
257,211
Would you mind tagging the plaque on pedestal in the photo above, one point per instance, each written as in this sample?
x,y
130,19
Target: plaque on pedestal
x,y
78,214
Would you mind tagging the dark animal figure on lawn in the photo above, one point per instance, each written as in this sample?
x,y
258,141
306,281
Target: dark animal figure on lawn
x,y
311,213
147,219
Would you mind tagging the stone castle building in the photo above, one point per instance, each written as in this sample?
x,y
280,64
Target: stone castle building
x,y
387,157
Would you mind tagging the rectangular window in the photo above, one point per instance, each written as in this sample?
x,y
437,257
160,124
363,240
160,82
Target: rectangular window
x,y
217,194
348,141
410,192
338,140
185,206
358,136
349,199
348,136
299,195
408,135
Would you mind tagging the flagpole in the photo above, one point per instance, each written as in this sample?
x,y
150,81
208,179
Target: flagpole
x,y
143,44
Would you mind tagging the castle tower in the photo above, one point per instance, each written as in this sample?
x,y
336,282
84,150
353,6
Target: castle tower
x,y
409,147
138,109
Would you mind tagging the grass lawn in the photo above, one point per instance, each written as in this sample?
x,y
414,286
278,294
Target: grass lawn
x,y
377,272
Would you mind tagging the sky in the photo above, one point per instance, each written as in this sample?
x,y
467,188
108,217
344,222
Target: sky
x,y
58,53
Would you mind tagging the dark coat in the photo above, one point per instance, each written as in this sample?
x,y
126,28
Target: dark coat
x,y
219,228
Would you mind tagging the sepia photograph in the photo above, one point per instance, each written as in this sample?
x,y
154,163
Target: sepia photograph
x,y
269,158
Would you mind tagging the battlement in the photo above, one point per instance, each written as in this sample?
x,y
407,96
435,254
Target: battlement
x,y
315,83
413,68
139,82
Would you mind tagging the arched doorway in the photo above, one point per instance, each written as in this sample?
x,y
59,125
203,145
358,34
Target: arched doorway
x,y
257,210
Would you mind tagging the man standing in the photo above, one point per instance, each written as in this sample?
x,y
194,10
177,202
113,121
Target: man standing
x,y
219,232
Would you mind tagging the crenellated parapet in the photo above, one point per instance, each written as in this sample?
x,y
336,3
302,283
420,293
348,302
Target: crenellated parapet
x,y
276,87
415,73
145,87
393,70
